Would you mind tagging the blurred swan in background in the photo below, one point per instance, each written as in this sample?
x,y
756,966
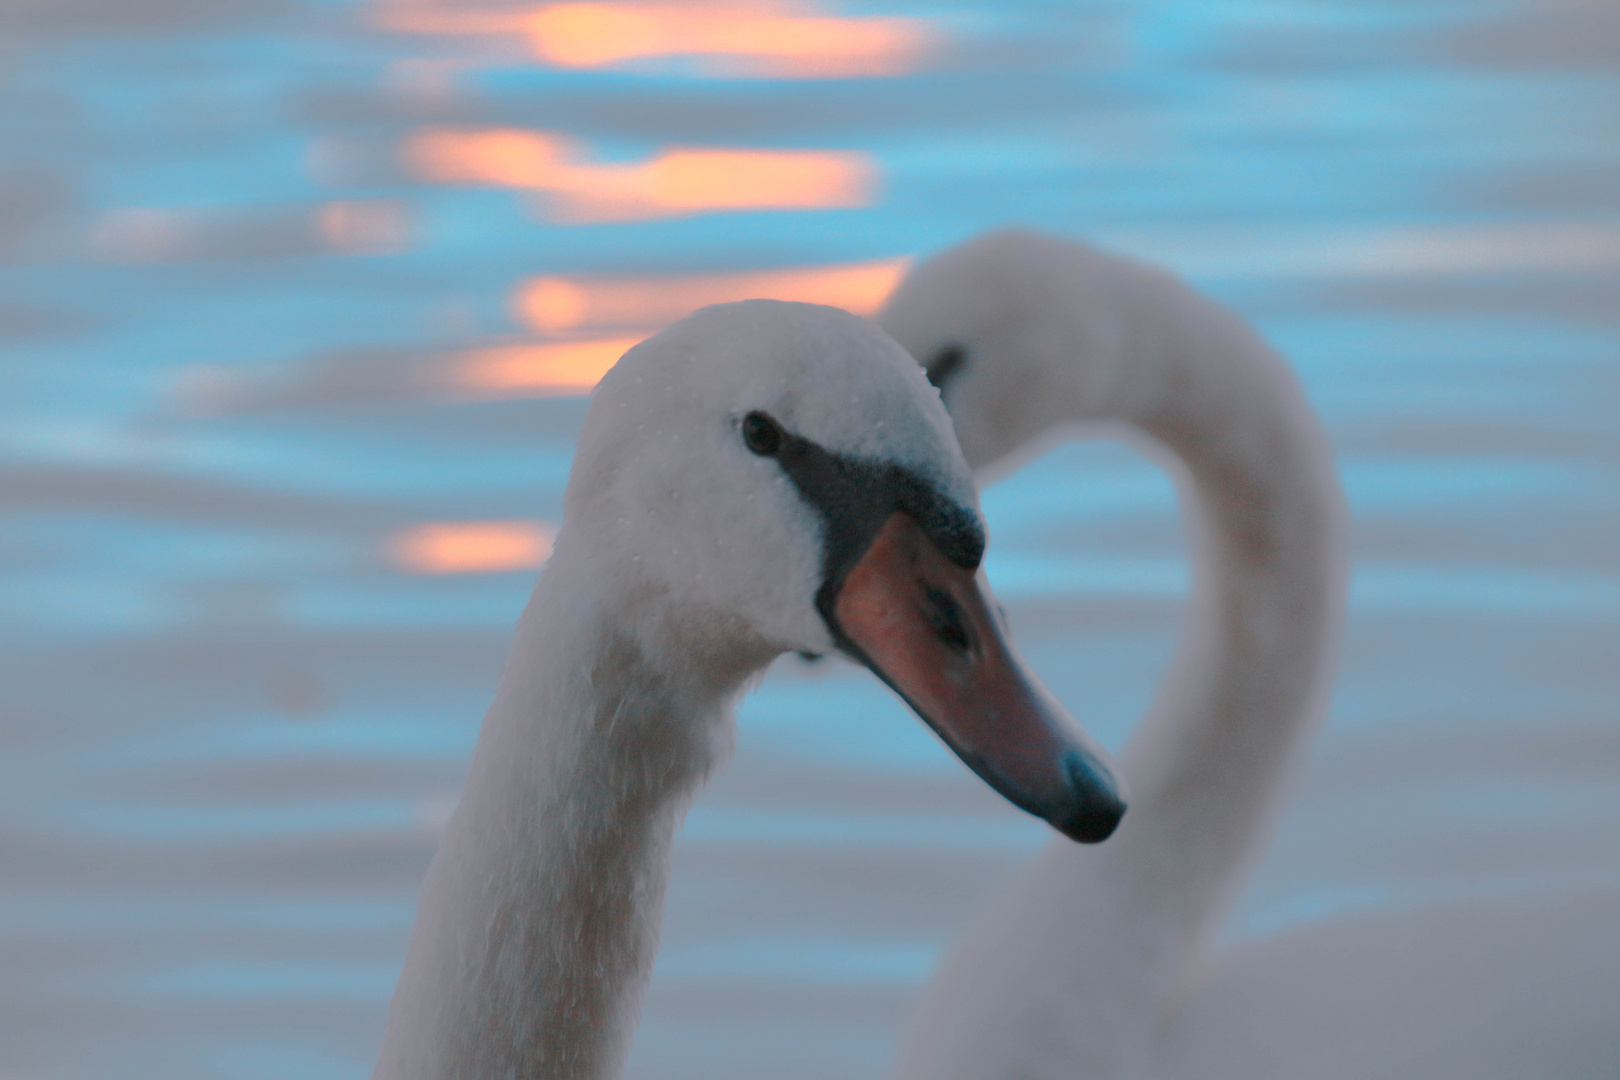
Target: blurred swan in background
x,y
1098,963
727,504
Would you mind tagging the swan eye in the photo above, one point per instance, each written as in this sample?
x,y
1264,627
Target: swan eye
x,y
762,434
945,363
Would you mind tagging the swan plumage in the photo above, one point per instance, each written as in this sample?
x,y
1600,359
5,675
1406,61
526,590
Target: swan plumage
x,y
760,477
1097,964
1505,988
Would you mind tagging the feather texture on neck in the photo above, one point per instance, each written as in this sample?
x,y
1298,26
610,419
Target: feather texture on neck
x,y
539,919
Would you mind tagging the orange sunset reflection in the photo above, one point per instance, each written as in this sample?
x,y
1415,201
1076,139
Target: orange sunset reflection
x,y
674,182
470,547
756,39
535,370
557,304
636,308
744,38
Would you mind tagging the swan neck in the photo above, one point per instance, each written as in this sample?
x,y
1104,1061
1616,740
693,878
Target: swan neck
x,y
1266,520
1072,972
539,919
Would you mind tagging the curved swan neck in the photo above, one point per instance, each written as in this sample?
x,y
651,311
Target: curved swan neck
x,y
539,918
1266,520
1072,971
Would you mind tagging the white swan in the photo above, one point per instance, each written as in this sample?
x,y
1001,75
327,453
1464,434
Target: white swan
x,y
759,477
1096,963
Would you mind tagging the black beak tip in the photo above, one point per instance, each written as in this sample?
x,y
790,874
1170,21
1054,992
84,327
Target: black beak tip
x,y
1094,822
1098,805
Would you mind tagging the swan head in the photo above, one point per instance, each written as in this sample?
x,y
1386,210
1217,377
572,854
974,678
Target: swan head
x,y
763,477
988,318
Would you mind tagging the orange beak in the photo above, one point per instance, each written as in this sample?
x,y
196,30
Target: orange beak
x,y
923,625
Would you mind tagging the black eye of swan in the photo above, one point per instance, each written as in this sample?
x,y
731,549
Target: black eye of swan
x,y
762,434
945,364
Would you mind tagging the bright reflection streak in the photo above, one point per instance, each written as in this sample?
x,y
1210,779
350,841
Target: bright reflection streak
x,y
470,547
535,370
504,158
555,304
754,38
674,182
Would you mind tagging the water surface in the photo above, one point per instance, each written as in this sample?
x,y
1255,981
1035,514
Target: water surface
x,y
299,302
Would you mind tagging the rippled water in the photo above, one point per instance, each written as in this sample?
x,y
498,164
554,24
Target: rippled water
x,y
299,299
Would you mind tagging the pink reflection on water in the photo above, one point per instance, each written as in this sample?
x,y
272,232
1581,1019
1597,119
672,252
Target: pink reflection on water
x,y
744,38
675,182
143,235
470,547
479,372
362,226
554,304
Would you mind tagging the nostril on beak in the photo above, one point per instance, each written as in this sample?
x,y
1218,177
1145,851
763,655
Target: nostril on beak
x,y
945,616
1098,803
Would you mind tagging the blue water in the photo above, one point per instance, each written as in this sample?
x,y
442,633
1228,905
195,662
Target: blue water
x,y
230,726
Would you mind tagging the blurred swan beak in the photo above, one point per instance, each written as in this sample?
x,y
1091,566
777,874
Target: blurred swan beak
x,y
925,627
